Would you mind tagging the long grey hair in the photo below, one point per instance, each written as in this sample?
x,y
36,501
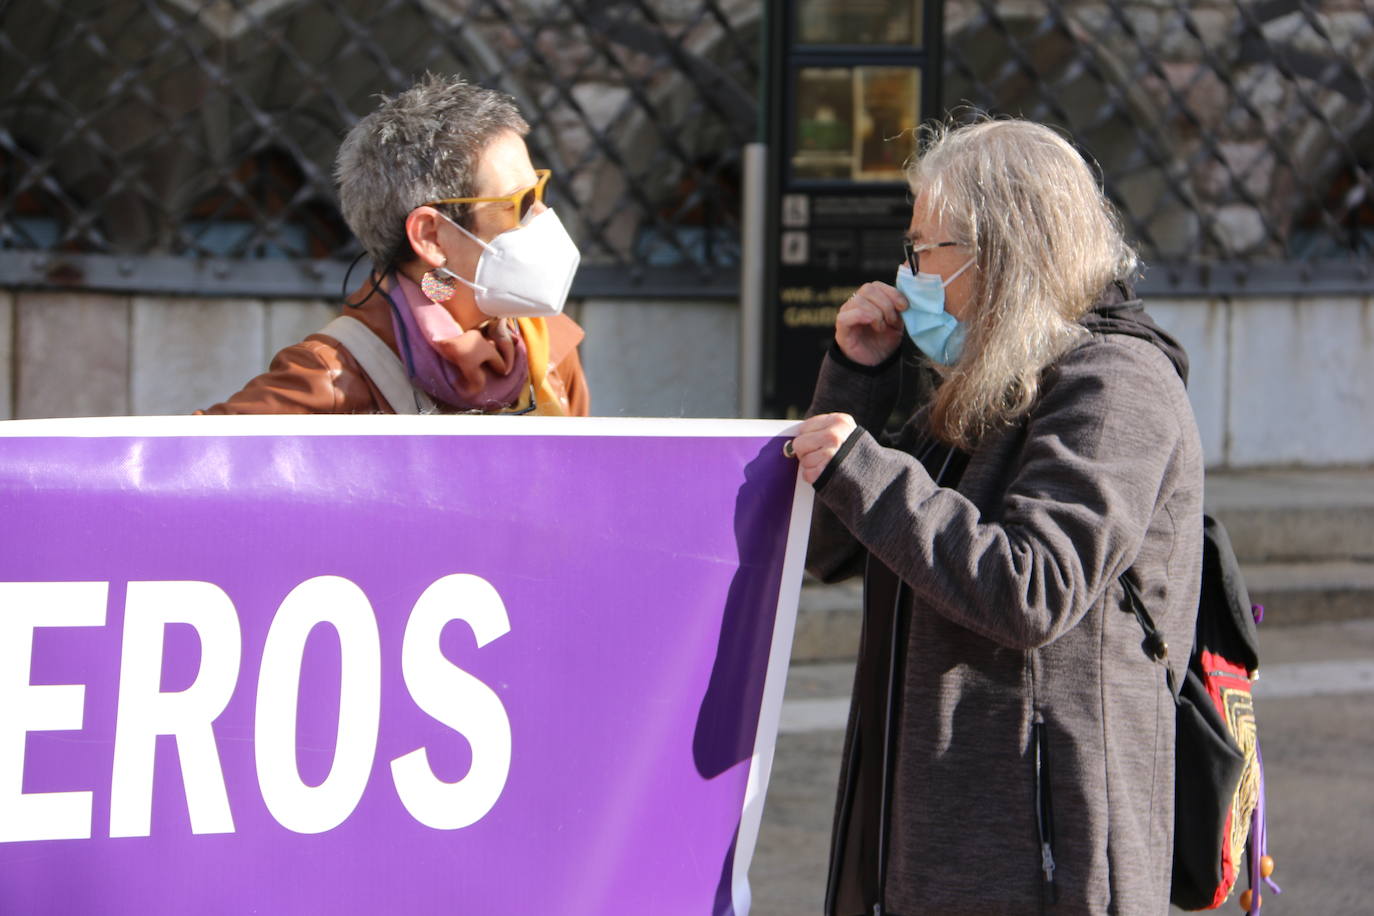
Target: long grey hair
x,y
422,145
1045,242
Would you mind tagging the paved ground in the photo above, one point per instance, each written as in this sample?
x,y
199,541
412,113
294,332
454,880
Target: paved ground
x,y
1316,729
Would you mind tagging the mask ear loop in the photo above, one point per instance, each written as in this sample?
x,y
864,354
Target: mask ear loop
x,y
485,247
476,287
954,276
455,225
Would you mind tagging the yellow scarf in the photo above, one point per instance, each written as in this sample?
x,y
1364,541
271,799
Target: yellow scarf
x,y
546,400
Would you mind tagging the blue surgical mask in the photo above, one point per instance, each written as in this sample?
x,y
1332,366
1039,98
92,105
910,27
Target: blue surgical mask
x,y
936,332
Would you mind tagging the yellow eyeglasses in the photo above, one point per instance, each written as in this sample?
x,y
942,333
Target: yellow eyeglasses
x,y
520,201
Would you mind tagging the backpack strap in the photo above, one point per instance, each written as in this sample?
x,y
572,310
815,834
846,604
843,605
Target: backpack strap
x,y
382,366
1154,644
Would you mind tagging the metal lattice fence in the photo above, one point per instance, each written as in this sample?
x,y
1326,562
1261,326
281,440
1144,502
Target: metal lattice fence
x,y
1236,136
186,145
158,134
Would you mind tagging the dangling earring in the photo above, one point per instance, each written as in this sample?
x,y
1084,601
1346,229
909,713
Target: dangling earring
x,y
439,284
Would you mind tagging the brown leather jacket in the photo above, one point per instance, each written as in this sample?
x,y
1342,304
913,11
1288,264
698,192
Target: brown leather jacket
x,y
319,375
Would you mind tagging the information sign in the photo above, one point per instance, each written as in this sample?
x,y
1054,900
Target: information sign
x,y
849,84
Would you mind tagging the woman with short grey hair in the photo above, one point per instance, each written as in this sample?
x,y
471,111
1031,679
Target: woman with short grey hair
x,y
1011,743
462,312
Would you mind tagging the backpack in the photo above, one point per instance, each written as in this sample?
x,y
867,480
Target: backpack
x,y
1218,769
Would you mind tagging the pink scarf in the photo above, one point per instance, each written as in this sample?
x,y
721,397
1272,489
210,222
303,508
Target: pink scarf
x,y
462,369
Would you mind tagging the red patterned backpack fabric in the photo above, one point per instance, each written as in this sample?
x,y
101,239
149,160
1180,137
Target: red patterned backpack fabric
x,y
1219,773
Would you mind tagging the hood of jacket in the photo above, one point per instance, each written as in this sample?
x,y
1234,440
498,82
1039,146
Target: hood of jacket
x,y
1118,311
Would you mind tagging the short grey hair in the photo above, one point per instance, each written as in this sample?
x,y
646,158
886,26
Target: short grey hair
x,y
1045,241
419,146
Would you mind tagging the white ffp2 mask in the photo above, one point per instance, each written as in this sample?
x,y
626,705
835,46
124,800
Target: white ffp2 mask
x,y
525,272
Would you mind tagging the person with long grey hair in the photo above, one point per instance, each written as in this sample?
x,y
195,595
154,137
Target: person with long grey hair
x,y
1010,745
462,312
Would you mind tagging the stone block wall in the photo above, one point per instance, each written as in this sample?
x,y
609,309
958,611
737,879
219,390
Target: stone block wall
x,y
1286,381
91,355
662,359
1281,381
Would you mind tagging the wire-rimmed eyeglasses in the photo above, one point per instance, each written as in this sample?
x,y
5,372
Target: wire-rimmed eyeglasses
x,y
913,252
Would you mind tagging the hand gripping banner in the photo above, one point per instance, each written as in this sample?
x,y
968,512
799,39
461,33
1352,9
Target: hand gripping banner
x,y
390,665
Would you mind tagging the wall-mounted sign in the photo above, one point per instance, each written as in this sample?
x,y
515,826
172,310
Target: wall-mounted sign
x,y
850,83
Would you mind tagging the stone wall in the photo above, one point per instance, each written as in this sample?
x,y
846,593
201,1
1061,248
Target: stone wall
x,y
1279,382
89,354
1275,382
662,359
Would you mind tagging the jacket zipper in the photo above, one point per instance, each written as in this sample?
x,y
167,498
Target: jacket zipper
x,y
1044,815
840,838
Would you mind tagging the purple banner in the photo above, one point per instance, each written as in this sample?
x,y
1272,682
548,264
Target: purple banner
x,y
390,666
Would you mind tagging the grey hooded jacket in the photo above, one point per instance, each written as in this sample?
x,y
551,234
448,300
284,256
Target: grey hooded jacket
x,y
1033,739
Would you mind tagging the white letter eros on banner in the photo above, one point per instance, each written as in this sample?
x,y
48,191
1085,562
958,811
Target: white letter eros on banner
x,y
144,711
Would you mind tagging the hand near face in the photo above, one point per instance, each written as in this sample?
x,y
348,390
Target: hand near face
x,y
869,327
817,441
